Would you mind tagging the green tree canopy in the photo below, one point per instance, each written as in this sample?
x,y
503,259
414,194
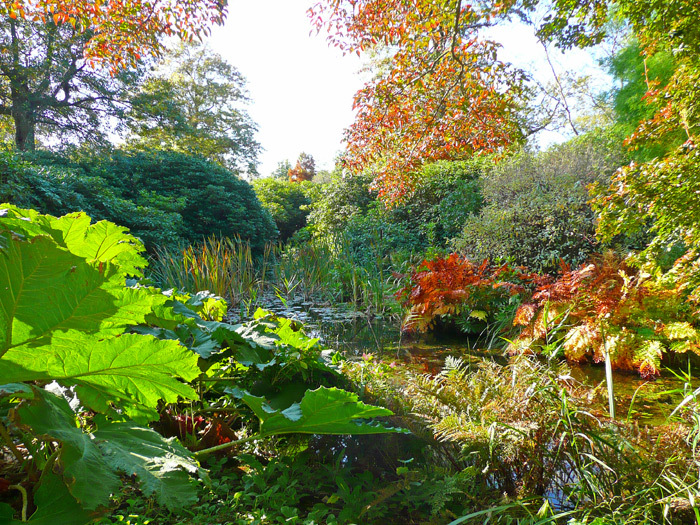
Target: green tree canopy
x,y
48,90
287,203
194,104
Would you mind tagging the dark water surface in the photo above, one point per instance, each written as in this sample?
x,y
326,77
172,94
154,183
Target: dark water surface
x,y
356,333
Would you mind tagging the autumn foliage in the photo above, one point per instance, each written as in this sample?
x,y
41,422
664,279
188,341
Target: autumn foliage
x,y
303,170
454,287
607,306
604,305
440,95
124,31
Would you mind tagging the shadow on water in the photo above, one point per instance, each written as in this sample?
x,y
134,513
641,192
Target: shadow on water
x,y
356,334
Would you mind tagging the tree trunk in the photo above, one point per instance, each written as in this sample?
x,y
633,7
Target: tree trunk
x,y
25,124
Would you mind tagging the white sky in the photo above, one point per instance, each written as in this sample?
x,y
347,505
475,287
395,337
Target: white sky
x,y
302,90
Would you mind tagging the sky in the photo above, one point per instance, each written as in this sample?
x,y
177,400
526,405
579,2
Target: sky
x,y
302,90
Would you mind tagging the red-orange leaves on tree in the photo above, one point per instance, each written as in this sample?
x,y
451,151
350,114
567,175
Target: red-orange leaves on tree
x,y
303,170
442,94
122,31
456,290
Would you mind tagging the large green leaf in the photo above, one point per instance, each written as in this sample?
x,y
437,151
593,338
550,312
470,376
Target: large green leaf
x,y
103,241
163,466
56,506
133,371
90,461
87,474
321,411
44,288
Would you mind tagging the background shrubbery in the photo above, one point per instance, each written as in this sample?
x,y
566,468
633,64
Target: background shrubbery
x,y
537,209
164,198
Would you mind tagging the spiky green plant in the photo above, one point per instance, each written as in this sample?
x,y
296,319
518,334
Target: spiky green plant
x,y
538,448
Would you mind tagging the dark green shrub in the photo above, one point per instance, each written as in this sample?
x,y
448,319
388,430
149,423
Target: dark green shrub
x,y
164,198
211,199
53,185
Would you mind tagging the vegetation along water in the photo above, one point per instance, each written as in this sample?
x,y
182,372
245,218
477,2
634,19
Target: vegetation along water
x,y
460,322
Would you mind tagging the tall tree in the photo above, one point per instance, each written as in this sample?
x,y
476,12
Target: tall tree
x,y
281,172
304,169
120,33
442,93
47,86
193,104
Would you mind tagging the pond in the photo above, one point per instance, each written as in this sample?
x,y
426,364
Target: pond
x,y
356,333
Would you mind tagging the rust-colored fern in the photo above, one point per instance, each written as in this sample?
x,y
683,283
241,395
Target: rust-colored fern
x,y
607,306
444,287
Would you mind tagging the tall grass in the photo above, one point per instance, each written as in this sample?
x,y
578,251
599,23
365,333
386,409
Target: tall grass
x,y
538,450
325,271
225,267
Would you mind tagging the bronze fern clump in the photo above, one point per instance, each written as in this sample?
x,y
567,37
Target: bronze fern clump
x,y
607,305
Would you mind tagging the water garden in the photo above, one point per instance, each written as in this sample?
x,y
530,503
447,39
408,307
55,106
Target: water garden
x,y
459,322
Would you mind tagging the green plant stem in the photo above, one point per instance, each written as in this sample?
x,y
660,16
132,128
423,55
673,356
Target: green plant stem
x,y
11,444
608,375
25,499
224,446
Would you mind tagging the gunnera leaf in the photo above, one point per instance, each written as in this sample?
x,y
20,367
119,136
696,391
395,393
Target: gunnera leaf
x,y
103,241
56,506
44,289
88,476
162,466
132,371
321,411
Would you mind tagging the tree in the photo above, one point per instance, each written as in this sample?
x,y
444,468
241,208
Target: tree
x,y
442,93
47,87
287,203
304,169
193,105
120,33
281,172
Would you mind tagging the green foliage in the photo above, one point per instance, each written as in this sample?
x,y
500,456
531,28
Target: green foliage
x,y
537,208
286,202
446,194
65,311
192,104
65,316
164,198
638,74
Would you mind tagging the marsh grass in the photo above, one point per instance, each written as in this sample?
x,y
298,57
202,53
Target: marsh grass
x,y
321,271
225,267
539,446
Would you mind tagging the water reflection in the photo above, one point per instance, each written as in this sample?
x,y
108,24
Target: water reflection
x,y
358,333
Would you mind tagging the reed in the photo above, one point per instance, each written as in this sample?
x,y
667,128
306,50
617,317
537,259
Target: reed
x,y
224,266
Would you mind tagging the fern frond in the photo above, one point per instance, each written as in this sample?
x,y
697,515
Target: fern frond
x,y
680,330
